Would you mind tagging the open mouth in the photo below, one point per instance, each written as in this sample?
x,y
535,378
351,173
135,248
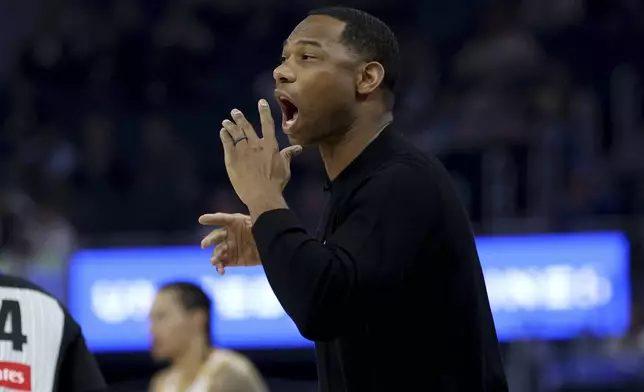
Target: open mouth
x,y
289,113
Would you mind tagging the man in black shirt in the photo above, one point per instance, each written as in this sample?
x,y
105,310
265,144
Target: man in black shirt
x,y
391,291
41,346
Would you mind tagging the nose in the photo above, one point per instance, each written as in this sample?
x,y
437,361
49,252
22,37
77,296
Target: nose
x,y
283,74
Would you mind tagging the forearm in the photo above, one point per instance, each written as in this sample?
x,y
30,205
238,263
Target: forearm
x,y
313,282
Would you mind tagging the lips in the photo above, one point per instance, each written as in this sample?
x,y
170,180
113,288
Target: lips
x,y
290,111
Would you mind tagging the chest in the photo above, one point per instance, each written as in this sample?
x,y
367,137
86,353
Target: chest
x,y
201,381
175,383
333,215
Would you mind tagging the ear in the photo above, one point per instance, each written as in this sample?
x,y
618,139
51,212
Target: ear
x,y
200,318
370,78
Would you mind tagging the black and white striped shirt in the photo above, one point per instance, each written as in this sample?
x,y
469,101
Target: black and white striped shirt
x,y
42,348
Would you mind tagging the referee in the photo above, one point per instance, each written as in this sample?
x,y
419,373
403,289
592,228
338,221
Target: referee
x,y
41,347
391,291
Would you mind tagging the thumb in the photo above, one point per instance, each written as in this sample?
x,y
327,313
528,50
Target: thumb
x,y
290,152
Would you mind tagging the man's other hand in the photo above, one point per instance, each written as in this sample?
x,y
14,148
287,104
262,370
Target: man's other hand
x,y
232,240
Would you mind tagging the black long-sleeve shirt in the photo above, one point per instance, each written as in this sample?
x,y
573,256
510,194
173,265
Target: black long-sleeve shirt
x,y
392,291
41,346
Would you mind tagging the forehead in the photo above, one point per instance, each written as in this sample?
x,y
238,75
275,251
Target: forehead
x,y
321,29
165,299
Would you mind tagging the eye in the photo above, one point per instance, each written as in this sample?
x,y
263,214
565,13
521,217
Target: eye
x,y
307,57
282,59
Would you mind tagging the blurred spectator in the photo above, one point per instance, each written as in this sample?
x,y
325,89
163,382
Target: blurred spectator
x,y
15,248
181,321
503,51
194,60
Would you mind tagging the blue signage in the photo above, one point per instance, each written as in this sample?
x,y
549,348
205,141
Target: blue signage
x,y
540,286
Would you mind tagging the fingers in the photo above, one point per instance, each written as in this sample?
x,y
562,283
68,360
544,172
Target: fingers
x,y
226,141
219,258
241,127
290,152
216,236
243,124
266,118
218,219
233,130
219,254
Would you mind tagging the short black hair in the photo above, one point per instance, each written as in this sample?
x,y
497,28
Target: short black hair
x,y
370,38
192,297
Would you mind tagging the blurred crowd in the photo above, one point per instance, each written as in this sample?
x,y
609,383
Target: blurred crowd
x,y
110,109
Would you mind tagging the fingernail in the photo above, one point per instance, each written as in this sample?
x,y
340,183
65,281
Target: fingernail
x,y
263,102
225,122
235,111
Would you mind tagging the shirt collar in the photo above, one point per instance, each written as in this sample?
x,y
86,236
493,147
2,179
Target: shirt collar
x,y
371,158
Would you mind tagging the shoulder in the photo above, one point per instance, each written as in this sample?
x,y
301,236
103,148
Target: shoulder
x,y
407,175
158,379
231,361
233,371
10,281
50,307
412,161
24,290
409,186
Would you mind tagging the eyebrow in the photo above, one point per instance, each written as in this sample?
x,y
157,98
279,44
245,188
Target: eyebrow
x,y
304,42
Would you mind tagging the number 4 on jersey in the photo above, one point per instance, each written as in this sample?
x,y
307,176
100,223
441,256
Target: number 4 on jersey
x,y
11,331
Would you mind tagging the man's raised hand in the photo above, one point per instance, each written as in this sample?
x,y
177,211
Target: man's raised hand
x,y
256,167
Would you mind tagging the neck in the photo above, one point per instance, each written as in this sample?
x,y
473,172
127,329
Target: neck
x,y
190,361
339,154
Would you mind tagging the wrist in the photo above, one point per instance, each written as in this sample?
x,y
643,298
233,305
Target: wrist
x,y
263,203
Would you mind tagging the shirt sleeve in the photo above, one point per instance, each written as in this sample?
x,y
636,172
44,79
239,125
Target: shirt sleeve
x,y
324,286
79,371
